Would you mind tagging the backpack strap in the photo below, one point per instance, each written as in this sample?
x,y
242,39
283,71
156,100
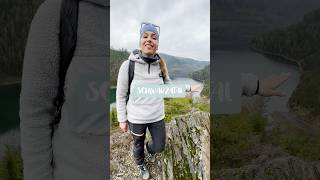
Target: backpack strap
x,y
68,39
162,75
130,77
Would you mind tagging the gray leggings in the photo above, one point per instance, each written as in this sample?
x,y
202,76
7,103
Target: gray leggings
x,y
158,134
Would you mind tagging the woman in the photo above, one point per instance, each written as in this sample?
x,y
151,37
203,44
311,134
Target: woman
x,y
144,113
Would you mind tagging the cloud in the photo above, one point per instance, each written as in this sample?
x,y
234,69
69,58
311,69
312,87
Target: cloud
x,y
184,25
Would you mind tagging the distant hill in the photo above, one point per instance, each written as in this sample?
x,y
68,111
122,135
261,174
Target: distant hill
x,y
236,22
182,67
177,66
296,41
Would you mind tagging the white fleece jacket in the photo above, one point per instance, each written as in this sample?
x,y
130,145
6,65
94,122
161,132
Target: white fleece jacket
x,y
77,148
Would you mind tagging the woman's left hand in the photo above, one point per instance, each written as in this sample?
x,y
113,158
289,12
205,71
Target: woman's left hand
x,y
268,86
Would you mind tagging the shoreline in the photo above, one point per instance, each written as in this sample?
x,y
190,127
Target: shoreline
x,y
279,57
8,83
7,79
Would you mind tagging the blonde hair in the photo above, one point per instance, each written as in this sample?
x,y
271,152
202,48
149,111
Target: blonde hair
x,y
163,67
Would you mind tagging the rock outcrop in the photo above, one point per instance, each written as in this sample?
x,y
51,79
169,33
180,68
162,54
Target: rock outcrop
x,y
187,153
186,156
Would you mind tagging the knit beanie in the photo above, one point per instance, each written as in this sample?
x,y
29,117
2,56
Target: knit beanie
x,y
149,27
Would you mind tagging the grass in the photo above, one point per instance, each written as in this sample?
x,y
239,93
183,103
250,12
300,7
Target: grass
x,y
176,106
202,106
232,135
297,144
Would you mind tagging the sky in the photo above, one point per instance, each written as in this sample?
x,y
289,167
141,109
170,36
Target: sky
x,y
184,25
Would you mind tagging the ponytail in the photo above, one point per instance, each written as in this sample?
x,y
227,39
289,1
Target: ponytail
x,y
163,67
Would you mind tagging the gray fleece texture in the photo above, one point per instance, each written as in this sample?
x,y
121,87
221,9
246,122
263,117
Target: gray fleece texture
x,y
76,148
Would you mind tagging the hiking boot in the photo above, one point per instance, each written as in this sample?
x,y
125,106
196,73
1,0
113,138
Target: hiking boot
x,y
143,171
149,157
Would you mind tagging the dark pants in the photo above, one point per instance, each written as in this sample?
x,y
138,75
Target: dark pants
x,y
158,134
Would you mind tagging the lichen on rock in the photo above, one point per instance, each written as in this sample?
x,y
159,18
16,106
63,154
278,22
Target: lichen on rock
x,y
187,153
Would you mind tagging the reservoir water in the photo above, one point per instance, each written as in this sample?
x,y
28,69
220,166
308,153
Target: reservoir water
x,y
263,67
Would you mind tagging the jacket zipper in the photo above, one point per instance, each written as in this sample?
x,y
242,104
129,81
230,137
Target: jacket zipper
x,y
149,68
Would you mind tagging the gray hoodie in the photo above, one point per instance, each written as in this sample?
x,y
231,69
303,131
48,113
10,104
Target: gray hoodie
x,y
77,148
140,110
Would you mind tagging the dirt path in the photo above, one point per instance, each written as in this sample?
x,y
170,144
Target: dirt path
x,y
122,165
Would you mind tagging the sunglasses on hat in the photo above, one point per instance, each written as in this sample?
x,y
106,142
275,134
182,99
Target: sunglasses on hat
x,y
147,23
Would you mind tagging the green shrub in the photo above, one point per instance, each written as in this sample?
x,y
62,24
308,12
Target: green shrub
x,y
113,118
206,88
307,94
11,164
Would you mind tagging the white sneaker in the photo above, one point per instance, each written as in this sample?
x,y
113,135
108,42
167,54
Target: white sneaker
x,y
143,171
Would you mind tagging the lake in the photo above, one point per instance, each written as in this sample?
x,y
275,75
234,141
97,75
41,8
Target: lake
x,y
9,105
252,62
9,116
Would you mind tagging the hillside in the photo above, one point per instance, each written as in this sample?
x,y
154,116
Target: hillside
x,y
178,66
204,76
236,22
254,146
116,59
201,75
15,19
296,41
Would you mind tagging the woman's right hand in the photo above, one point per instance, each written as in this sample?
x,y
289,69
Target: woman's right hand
x,y
123,126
